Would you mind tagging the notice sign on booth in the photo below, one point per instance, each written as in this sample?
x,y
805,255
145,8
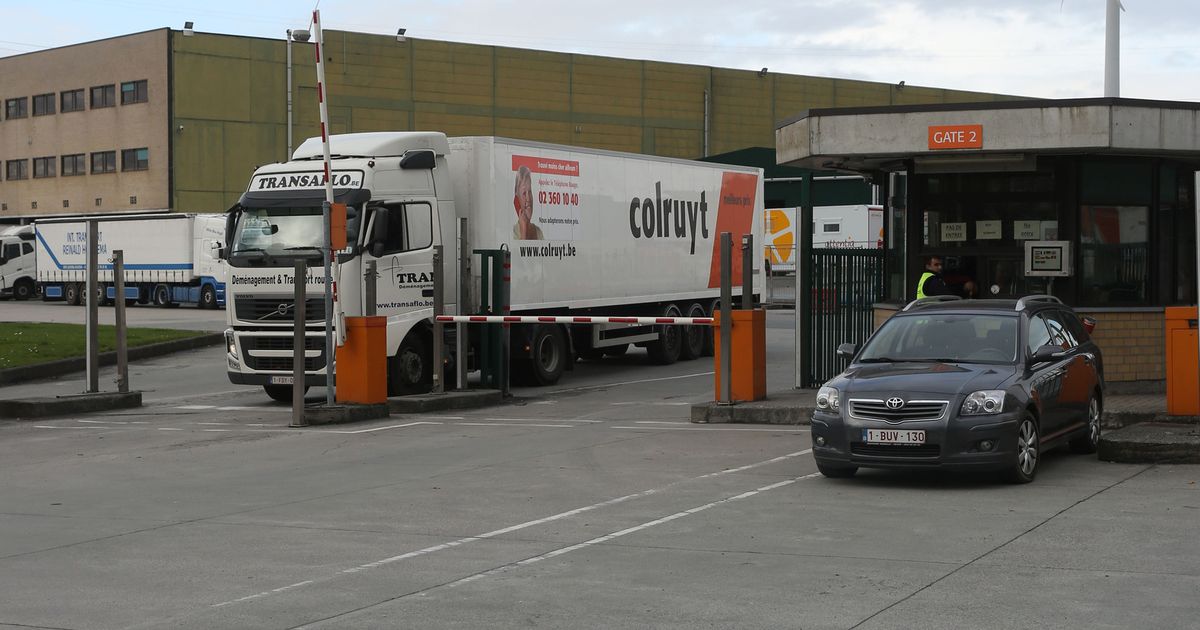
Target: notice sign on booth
x,y
955,137
954,232
989,230
1048,258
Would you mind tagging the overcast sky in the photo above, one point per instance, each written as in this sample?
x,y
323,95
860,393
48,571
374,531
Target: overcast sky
x,y
1041,48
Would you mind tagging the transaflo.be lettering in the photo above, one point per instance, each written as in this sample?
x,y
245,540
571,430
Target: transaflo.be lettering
x,y
658,216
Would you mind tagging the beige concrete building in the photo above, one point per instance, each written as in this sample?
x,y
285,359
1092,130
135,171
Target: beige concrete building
x,y
164,119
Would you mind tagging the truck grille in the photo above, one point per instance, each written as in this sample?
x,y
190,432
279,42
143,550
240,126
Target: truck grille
x,y
912,410
276,309
253,347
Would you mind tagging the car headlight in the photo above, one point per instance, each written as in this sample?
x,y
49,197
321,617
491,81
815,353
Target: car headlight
x,y
983,403
828,400
230,344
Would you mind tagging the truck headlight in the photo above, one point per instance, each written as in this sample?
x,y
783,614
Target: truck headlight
x,y
230,343
983,403
828,400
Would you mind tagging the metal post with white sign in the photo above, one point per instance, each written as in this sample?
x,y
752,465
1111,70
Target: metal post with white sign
x,y
299,314
118,265
464,298
93,307
439,334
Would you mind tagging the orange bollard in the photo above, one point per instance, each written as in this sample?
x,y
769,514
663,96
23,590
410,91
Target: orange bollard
x,y
362,362
1183,399
749,360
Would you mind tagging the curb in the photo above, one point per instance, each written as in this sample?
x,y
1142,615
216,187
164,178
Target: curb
x,y
60,367
342,413
31,408
758,412
423,403
1153,443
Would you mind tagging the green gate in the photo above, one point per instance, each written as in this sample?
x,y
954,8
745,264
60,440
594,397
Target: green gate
x,y
846,283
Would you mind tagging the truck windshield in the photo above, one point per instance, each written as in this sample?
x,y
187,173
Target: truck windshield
x,y
955,338
263,234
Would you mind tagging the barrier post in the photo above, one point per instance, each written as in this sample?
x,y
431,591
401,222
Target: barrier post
x,y
299,314
505,293
439,335
369,290
93,307
122,340
725,388
464,299
747,272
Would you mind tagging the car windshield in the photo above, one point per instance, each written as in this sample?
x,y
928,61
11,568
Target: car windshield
x,y
282,232
948,337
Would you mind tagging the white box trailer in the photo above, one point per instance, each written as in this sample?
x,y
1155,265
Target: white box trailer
x,y
590,232
847,227
170,259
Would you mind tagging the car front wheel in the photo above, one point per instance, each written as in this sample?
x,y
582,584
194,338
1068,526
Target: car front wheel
x,y
1028,451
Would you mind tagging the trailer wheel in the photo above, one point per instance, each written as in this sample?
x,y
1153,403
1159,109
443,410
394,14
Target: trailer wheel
x,y
409,371
548,355
665,350
693,336
280,393
162,296
71,294
208,297
23,290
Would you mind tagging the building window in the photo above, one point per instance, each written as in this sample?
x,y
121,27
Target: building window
x,y
43,167
104,96
104,162
134,92
16,169
16,108
74,164
135,159
72,101
43,104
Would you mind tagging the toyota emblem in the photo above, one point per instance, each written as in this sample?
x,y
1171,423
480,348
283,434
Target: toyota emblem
x,y
895,402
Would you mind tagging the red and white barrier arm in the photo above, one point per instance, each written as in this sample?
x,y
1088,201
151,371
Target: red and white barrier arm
x,y
550,319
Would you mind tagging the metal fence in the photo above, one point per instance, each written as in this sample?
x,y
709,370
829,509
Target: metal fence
x,y
846,283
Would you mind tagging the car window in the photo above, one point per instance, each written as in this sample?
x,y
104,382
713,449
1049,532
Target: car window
x,y
1039,333
959,337
1060,334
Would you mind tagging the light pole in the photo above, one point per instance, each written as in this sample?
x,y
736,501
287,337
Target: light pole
x,y
301,36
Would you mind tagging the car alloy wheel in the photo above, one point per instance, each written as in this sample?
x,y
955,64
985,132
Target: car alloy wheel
x,y
1090,441
1028,447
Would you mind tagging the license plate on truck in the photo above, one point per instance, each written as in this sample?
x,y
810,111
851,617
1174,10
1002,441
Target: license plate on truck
x,y
893,436
283,380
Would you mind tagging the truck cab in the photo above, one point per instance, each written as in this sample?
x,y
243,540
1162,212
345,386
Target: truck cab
x,y
17,268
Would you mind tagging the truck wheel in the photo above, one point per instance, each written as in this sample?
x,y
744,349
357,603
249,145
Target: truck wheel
x,y
23,290
693,336
665,350
208,297
162,296
71,294
409,370
280,393
548,355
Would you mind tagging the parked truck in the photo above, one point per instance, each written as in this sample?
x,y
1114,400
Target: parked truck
x,y
170,259
847,227
18,273
590,232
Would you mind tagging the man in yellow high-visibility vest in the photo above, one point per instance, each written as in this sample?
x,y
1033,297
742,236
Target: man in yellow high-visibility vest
x,y
931,282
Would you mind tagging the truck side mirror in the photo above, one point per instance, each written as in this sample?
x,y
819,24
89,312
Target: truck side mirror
x,y
378,232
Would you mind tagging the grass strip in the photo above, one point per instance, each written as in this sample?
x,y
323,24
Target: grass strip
x,y
27,343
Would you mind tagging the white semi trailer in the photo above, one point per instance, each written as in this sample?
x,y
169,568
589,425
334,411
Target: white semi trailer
x,y
170,259
590,232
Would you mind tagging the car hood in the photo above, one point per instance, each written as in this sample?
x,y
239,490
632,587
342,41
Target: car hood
x,y
925,377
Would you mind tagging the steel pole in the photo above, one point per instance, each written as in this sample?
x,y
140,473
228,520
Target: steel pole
x,y
1112,49
369,290
1196,235
438,328
122,345
299,315
464,299
804,285
326,245
726,386
93,307
289,96
747,272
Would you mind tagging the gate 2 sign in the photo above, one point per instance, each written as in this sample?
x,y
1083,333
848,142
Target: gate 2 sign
x,y
955,137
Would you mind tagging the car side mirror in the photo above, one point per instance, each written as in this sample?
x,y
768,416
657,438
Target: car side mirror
x,y
1045,354
847,350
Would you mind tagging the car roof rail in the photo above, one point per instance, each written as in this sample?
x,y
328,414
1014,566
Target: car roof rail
x,y
1021,303
933,299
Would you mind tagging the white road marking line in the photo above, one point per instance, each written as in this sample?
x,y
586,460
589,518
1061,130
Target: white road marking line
x,y
681,422
169,429
648,380
217,430
512,424
102,421
394,426
215,424
251,409
649,404
500,532
538,420
196,407
46,426
631,530
790,429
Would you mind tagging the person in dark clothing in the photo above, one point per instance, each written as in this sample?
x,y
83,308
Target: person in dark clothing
x,y
932,283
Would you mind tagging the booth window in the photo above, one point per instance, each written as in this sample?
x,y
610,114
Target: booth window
x,y
1114,233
